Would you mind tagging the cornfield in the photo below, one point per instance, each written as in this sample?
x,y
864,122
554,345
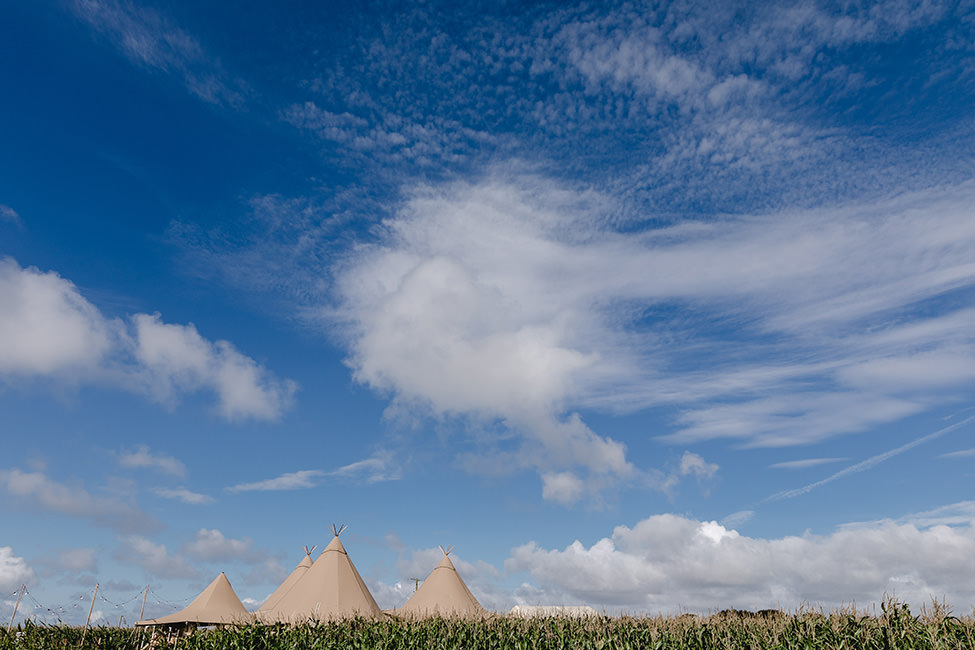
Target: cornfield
x,y
895,628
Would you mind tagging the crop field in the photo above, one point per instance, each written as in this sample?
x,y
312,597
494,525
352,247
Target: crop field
x,y
894,628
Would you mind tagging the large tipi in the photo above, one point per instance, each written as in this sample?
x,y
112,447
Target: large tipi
x,y
330,589
216,605
443,593
299,571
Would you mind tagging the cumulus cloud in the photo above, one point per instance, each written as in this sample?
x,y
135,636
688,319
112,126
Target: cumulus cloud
x,y
143,457
37,490
46,326
49,330
14,571
213,546
290,481
669,563
154,558
177,359
692,464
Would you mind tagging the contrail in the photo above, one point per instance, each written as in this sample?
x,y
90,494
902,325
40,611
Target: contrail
x,y
868,463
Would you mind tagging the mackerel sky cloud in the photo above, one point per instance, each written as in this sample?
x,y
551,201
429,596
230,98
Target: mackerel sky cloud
x,y
652,307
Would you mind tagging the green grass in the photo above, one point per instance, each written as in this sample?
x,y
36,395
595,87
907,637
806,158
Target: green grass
x,y
894,628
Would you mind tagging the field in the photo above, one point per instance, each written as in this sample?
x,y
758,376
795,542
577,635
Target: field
x,y
894,628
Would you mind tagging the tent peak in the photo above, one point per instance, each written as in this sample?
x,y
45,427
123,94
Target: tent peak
x,y
309,549
337,530
446,551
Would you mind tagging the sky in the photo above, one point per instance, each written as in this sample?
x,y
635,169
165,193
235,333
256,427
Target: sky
x,y
654,307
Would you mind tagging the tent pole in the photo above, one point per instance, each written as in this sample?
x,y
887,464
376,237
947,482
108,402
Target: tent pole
x,y
143,610
90,610
23,588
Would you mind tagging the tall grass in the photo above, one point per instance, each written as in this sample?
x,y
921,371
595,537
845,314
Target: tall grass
x,y
894,628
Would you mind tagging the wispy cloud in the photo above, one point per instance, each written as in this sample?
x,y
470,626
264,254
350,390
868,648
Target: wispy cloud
x,y
144,457
37,490
184,495
149,38
961,453
9,214
870,462
806,463
291,481
379,467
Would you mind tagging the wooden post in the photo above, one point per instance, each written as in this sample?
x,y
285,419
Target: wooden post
x,y
90,610
23,588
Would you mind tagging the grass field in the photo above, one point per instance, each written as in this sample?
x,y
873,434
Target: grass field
x,y
894,628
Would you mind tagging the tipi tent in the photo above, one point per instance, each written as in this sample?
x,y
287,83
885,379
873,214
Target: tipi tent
x,y
289,582
330,589
216,605
443,593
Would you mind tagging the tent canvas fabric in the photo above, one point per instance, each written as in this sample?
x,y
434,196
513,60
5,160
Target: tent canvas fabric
x,y
216,605
289,582
330,589
443,593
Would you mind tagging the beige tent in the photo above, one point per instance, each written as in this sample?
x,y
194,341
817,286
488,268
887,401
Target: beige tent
x,y
216,605
285,587
443,593
330,589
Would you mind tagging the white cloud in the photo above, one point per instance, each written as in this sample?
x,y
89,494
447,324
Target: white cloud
x,y
71,561
49,330
9,214
14,571
154,558
46,326
213,546
668,563
37,490
290,481
564,487
176,358
143,457
872,461
961,453
806,462
516,301
694,464
378,468
184,495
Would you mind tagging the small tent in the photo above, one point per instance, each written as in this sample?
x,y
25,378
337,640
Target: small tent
x,y
443,593
285,587
330,589
216,605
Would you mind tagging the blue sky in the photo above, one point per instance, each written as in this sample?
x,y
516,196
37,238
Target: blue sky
x,y
652,307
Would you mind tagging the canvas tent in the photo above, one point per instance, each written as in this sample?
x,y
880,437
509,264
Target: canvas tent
x,y
330,589
443,593
289,582
216,605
